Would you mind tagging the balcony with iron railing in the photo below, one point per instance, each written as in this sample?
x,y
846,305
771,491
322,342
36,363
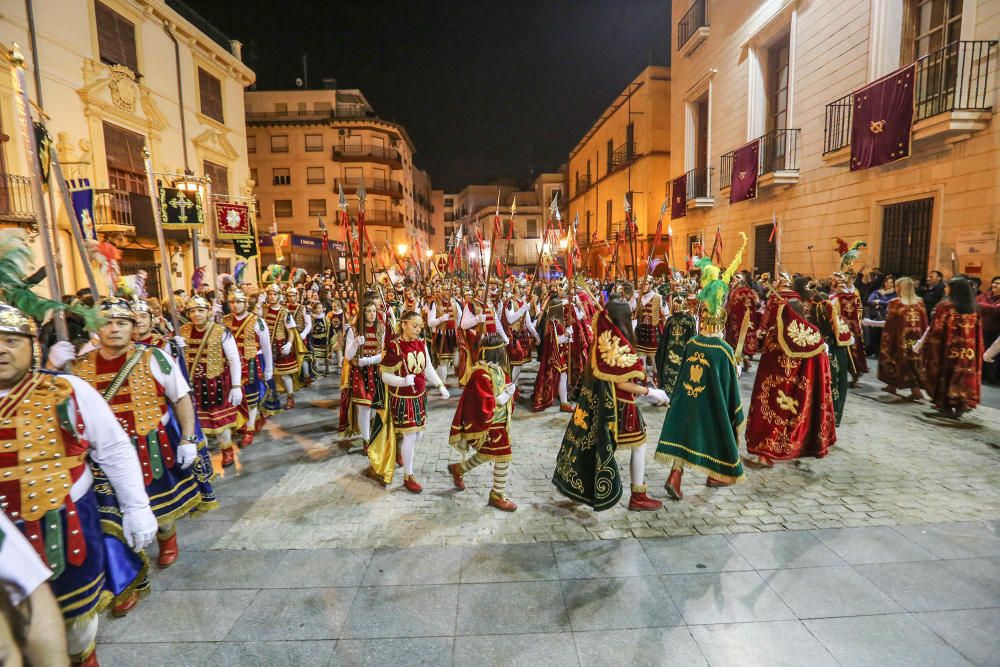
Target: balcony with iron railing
x,y
368,153
16,204
951,97
693,28
777,160
373,186
113,211
583,184
699,188
385,218
622,156
296,117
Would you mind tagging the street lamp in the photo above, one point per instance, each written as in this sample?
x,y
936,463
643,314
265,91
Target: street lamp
x,y
563,243
401,249
429,253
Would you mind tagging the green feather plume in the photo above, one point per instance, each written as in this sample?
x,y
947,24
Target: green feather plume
x,y
715,287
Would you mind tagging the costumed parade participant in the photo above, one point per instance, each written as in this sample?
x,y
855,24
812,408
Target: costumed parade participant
x,y
742,318
151,399
442,318
319,338
253,343
952,352
651,311
680,327
517,315
299,313
838,338
479,318
93,560
607,418
702,426
406,371
286,344
145,333
482,421
361,387
852,312
335,323
905,322
552,378
212,359
791,407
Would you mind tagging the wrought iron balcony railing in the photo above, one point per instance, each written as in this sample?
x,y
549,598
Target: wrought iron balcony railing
x,y
366,151
622,156
583,184
112,208
16,204
372,186
953,78
779,151
694,18
699,183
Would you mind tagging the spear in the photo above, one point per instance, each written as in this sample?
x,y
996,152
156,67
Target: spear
x,y
493,243
362,234
630,231
510,229
656,238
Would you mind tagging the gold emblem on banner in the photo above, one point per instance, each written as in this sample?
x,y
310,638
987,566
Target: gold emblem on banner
x,y
876,126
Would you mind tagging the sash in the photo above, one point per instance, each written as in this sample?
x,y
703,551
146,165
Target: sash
x,y
122,375
201,346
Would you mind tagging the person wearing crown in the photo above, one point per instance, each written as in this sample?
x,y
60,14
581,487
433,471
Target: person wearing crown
x,y
253,345
212,359
607,419
482,421
93,560
286,343
791,407
701,430
405,369
152,401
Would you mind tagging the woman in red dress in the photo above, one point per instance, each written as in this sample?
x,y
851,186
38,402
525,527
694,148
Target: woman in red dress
x,y
905,322
361,385
952,351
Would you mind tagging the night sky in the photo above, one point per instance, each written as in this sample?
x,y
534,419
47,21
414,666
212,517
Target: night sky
x,y
487,90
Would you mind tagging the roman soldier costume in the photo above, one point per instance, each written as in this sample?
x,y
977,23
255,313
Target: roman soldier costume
x,y
651,312
213,361
287,347
554,363
303,325
443,318
851,310
256,366
518,333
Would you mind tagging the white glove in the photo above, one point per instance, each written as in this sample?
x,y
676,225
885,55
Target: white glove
x,y
481,318
506,394
180,342
409,380
986,356
286,349
447,317
852,341
657,396
139,527
361,341
236,396
186,454
739,370
268,374
569,331
61,353
369,361
443,392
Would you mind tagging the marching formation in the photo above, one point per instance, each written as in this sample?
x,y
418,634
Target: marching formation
x,y
105,444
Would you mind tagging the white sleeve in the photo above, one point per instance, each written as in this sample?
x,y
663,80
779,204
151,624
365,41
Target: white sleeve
x,y
308,327
531,328
110,446
432,319
391,379
290,322
468,319
173,382
433,379
351,344
232,358
264,341
19,562
993,349
499,324
515,315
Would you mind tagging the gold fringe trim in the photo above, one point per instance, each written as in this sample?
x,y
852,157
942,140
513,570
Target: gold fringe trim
x,y
669,459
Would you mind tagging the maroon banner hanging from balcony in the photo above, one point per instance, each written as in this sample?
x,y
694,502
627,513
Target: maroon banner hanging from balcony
x,y
744,176
233,220
883,118
678,196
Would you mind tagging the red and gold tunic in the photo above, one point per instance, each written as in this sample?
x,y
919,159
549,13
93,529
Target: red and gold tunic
x,y
520,339
245,333
953,358
210,380
791,408
851,311
407,405
284,364
553,363
614,360
649,324
480,421
742,307
445,340
898,365
361,385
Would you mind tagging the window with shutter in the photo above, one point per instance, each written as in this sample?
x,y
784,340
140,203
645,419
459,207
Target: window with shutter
x,y
282,208
251,143
220,177
210,92
314,143
317,207
115,38
123,152
279,143
315,175
281,176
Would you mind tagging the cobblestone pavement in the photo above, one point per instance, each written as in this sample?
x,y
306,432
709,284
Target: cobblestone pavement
x,y
888,467
300,566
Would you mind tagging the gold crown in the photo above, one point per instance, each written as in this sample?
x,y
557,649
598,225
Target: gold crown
x,y
140,306
711,323
115,308
13,321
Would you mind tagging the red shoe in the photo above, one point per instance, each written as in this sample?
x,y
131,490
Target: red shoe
x,y
228,457
640,502
90,661
247,439
168,551
259,426
673,485
456,476
412,485
290,403
120,609
501,503
567,407
711,481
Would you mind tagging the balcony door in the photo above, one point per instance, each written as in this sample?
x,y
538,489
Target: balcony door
x,y
774,149
933,30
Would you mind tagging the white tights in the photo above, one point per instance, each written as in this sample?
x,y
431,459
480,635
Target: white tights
x,y
364,413
563,397
80,637
225,439
286,382
252,418
409,448
637,465
515,372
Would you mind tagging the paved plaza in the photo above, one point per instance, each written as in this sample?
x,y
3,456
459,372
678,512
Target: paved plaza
x,y
886,552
